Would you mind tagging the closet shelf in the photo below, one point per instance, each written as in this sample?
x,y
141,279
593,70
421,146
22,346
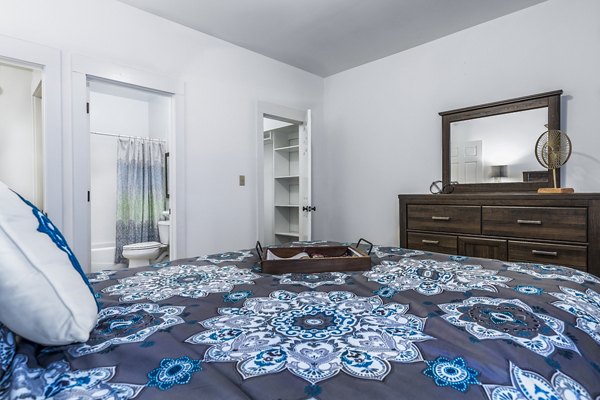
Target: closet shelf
x,y
288,149
287,205
290,234
288,177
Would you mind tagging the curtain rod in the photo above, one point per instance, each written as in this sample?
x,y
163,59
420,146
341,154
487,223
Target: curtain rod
x,y
127,136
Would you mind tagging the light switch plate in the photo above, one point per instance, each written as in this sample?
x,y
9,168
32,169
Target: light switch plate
x,y
242,180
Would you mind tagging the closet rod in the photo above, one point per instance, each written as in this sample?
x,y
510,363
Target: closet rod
x,y
127,136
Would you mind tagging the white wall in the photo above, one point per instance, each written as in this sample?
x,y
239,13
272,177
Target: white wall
x,y
17,149
383,131
159,118
103,188
223,85
119,115
382,118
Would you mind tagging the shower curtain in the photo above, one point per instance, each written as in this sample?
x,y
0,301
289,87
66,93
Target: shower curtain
x,y
140,192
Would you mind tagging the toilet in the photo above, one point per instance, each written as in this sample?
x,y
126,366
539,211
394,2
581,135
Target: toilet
x,y
147,253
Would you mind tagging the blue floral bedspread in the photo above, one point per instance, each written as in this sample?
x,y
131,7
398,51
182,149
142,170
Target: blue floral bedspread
x,y
416,326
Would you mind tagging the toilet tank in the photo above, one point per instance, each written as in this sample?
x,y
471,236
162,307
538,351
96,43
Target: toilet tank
x,y
164,228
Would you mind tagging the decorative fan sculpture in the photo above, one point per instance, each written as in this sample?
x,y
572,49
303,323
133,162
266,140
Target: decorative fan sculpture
x,y
552,150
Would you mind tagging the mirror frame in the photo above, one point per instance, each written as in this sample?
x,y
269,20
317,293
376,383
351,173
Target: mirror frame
x,y
547,99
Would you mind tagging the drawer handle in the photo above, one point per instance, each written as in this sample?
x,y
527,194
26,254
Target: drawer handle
x,y
440,218
529,222
544,253
427,241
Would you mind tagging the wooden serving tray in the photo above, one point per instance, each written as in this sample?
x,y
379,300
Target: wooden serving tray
x,y
334,258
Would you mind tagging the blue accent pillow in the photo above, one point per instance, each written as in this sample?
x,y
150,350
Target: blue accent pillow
x,y
44,293
46,226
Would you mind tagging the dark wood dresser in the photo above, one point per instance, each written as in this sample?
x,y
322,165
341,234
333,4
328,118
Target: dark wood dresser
x,y
543,228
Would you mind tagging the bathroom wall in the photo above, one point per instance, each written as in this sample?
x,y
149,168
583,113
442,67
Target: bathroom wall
x,y
159,117
115,110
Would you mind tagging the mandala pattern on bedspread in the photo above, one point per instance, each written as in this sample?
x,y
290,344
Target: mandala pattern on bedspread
x,y
313,280
548,271
529,290
173,372
186,280
384,251
100,276
585,306
528,385
230,256
454,373
59,382
487,318
431,277
8,346
314,335
119,325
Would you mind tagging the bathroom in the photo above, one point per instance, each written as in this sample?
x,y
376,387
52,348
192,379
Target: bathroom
x,y
129,134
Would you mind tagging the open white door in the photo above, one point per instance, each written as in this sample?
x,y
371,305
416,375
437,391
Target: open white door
x,y
305,179
466,161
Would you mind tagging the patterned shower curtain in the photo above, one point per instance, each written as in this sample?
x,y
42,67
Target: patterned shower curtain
x,y
140,192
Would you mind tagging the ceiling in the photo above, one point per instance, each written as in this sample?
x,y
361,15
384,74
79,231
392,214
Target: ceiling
x,y
329,36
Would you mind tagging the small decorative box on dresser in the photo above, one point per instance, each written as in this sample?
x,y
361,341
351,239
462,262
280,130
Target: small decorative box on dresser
x,y
559,229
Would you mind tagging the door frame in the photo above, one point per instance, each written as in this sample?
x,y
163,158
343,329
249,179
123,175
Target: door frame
x,y
84,67
48,60
279,112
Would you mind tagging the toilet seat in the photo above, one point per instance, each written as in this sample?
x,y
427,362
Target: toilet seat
x,y
143,246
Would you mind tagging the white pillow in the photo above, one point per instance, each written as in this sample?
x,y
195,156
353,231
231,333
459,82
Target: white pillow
x,y
44,295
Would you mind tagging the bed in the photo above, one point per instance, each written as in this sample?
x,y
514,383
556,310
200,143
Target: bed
x,y
418,325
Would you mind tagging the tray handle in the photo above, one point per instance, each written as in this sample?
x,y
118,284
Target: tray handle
x,y
259,250
365,240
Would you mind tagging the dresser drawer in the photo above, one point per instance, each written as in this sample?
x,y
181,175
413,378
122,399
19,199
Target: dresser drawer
x,y
441,218
544,253
431,242
496,249
553,223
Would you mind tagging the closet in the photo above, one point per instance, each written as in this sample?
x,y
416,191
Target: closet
x,y
286,181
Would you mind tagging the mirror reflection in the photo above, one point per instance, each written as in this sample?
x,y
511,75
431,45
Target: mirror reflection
x,y
498,148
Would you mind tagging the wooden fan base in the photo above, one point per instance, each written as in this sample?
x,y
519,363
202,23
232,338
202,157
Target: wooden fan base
x,y
556,190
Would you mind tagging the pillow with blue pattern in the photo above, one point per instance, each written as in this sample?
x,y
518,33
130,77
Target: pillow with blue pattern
x,y
44,293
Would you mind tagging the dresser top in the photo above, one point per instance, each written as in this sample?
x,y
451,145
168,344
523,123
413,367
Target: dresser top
x,y
490,196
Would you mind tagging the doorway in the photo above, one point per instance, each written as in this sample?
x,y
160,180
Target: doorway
x,y
466,161
129,142
121,79
21,131
284,169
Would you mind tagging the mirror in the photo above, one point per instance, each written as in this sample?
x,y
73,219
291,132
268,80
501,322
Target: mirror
x,y
490,147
